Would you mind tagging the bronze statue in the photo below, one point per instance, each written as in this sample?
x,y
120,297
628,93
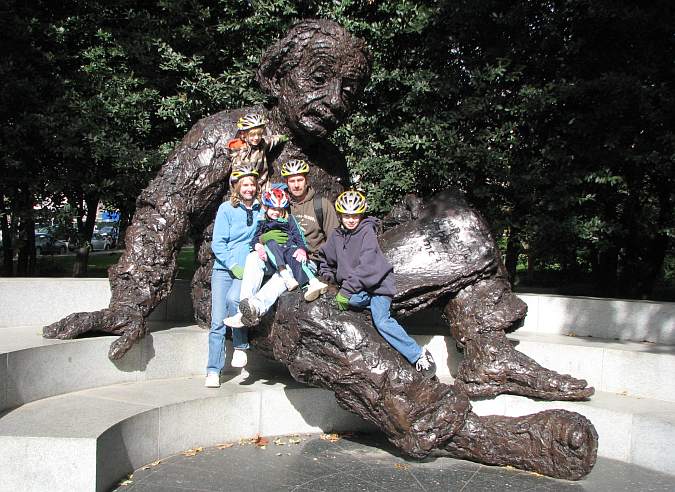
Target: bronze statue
x,y
313,76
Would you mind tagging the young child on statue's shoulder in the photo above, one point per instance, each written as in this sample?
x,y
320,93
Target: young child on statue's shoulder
x,y
352,259
251,147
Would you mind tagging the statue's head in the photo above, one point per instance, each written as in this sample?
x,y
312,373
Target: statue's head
x,y
315,73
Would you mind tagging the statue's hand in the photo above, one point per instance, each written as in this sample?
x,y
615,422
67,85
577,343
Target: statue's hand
x,y
279,237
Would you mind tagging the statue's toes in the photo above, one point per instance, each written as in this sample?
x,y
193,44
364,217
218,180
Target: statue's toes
x,y
576,440
131,331
71,326
568,387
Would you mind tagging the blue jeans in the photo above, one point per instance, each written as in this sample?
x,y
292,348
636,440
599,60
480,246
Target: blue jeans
x,y
224,303
388,327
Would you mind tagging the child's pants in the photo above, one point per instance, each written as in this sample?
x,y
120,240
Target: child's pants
x,y
282,256
388,327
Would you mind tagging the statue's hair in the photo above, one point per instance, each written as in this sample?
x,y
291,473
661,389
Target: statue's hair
x,y
284,55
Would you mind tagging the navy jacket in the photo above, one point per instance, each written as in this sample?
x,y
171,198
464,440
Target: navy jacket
x,y
354,260
290,226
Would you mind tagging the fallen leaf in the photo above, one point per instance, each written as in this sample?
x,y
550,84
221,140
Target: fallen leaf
x,y
401,466
260,441
225,445
294,440
333,437
150,465
192,451
279,441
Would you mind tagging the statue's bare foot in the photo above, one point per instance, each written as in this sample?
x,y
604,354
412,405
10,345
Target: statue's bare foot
x,y
127,323
491,366
556,443
74,325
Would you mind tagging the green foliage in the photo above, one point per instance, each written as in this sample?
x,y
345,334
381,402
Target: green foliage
x,y
556,118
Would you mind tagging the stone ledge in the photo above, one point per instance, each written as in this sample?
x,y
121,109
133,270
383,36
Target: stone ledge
x,y
41,301
89,440
32,367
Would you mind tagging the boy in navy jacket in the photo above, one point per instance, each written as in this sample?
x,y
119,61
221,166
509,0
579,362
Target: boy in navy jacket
x,y
352,259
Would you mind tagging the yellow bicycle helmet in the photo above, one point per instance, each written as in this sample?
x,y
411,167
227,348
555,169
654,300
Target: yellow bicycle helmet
x,y
241,172
351,202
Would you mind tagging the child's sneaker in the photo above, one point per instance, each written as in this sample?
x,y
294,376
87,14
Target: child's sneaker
x,y
289,281
315,288
212,380
234,321
239,358
249,314
426,365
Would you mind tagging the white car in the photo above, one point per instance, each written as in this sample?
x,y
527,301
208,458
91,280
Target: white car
x,y
100,243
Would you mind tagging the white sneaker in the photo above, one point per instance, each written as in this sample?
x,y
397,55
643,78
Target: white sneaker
x,y
315,289
249,313
239,358
234,321
212,380
289,280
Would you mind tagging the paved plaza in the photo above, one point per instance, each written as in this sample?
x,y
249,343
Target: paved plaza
x,y
360,463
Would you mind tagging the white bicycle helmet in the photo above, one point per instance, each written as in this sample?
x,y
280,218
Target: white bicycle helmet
x,y
294,167
251,120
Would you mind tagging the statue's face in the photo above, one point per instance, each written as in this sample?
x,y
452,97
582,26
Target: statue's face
x,y
319,92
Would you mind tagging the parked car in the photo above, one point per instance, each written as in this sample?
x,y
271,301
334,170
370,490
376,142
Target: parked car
x,y
111,232
45,244
100,243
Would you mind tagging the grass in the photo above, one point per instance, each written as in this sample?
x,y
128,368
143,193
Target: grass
x,y
62,266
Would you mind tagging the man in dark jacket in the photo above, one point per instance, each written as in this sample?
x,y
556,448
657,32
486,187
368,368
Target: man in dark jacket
x,y
352,259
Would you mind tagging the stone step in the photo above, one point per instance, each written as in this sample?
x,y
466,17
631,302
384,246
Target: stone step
x,y
32,301
642,370
32,367
88,440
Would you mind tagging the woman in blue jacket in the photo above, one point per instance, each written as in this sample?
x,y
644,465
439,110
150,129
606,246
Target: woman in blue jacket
x,y
235,225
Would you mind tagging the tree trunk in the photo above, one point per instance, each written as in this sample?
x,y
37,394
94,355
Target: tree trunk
x,y
7,242
26,260
513,248
81,261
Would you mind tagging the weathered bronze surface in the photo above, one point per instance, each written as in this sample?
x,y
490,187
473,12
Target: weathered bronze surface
x,y
442,252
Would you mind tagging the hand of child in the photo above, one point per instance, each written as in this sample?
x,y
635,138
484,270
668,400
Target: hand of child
x,y
237,272
279,237
300,255
342,302
260,249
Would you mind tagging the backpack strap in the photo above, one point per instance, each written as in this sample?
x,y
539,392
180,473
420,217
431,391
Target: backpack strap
x,y
318,210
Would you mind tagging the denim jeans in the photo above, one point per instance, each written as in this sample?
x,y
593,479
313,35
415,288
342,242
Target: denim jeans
x,y
224,303
388,327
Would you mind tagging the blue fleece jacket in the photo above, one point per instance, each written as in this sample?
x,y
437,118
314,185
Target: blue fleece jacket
x,y
232,234
355,261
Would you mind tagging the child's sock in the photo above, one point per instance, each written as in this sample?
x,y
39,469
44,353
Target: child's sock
x,y
289,281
